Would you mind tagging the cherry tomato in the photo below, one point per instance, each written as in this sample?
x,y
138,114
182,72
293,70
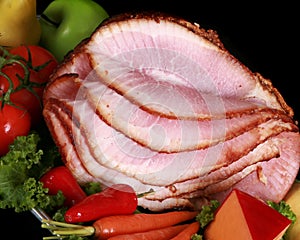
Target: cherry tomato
x,y
14,121
29,95
39,56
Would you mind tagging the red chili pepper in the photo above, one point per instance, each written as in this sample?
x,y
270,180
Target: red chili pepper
x,y
61,178
115,200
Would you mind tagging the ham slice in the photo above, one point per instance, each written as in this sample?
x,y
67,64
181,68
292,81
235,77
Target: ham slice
x,y
165,134
115,150
125,40
174,54
158,103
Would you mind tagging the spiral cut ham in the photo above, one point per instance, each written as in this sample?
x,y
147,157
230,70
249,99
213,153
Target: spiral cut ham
x,y
157,102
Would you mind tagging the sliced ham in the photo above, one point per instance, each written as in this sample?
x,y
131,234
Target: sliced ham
x,y
67,149
164,134
84,167
114,150
159,103
99,168
136,50
176,51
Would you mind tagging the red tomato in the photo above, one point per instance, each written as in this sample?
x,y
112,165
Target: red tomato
x,y
39,57
13,122
28,95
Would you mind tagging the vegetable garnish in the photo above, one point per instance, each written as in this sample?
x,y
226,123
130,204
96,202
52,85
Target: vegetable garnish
x,y
60,178
188,232
116,199
19,170
283,208
110,226
24,72
165,233
19,23
206,215
14,121
37,58
142,222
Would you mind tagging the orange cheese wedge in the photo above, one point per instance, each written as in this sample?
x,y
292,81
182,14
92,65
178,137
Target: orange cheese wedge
x,y
241,216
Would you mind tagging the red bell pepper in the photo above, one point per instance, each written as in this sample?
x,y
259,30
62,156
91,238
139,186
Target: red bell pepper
x,y
115,200
61,178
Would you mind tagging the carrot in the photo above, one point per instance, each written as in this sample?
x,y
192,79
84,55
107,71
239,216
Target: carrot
x,y
114,225
157,234
125,224
188,232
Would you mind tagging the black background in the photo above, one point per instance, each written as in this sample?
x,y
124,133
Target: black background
x,y
263,37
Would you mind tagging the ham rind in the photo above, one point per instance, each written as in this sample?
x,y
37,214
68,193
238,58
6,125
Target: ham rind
x,y
164,134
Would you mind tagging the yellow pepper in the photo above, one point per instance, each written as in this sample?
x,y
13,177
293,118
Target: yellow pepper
x,y
18,23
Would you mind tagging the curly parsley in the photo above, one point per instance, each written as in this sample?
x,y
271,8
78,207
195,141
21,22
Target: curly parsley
x,y
19,170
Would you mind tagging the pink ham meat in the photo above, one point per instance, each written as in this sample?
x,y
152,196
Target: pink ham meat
x,y
158,103
136,157
110,173
198,62
168,134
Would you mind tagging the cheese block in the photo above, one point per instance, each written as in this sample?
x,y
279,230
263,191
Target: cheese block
x,y
242,216
293,200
